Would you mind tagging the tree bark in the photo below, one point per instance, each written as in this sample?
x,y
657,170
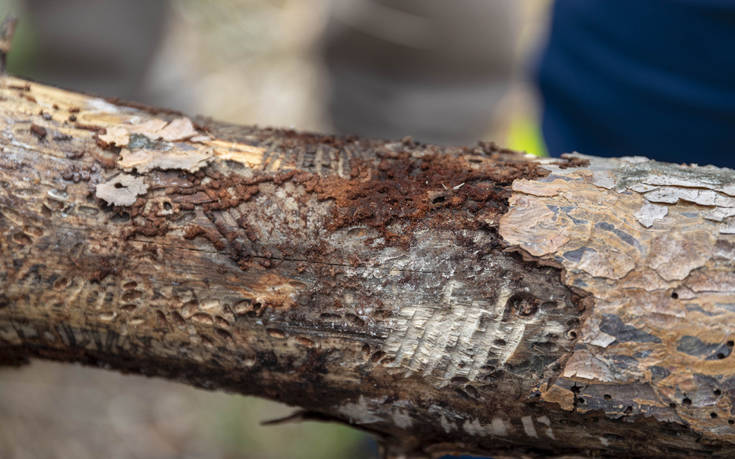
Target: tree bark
x,y
444,299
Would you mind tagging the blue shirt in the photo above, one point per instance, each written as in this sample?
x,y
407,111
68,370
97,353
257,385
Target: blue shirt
x,y
641,77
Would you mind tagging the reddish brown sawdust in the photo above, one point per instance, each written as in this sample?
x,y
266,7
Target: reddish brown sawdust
x,y
424,190
435,190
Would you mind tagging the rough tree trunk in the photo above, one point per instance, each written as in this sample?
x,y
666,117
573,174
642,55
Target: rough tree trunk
x,y
445,299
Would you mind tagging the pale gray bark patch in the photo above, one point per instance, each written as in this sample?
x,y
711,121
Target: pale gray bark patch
x,y
649,213
122,190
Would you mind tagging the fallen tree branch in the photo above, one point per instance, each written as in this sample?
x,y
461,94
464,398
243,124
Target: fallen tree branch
x,y
444,299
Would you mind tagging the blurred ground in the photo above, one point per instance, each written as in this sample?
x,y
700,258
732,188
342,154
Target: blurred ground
x,y
50,410
248,62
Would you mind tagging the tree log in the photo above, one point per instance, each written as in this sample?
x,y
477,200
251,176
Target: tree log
x,y
445,299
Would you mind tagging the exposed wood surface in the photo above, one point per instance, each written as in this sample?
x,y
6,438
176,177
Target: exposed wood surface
x,y
444,299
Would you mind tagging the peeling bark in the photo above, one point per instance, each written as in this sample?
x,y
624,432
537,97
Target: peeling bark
x,y
652,243
444,299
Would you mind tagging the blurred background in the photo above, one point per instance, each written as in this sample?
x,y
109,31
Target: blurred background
x,y
387,68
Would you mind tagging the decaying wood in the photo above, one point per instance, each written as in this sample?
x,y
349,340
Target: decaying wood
x,y
444,299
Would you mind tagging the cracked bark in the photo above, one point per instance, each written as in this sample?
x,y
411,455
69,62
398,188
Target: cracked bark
x,y
443,299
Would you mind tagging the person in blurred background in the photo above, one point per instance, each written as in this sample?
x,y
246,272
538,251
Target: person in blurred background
x,y
653,78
